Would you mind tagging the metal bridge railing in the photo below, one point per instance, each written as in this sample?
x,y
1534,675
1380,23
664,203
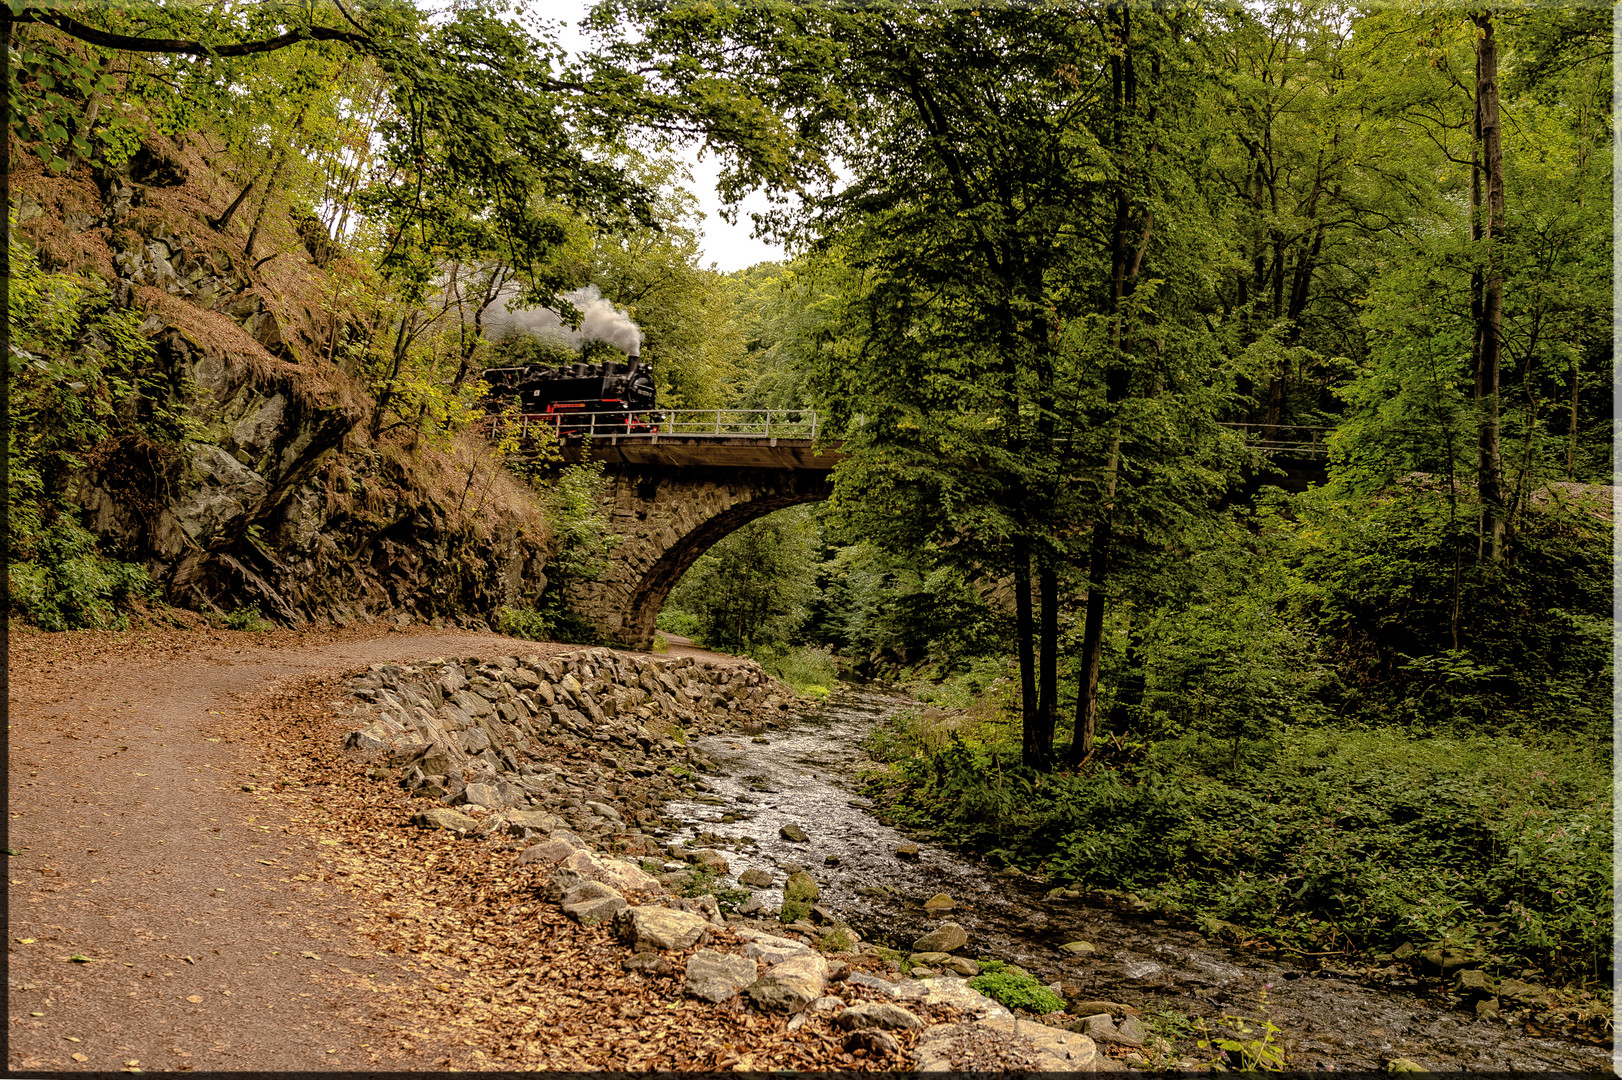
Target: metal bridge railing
x,y
1302,439
688,423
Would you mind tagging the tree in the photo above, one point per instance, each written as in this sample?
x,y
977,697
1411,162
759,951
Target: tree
x,y
1011,183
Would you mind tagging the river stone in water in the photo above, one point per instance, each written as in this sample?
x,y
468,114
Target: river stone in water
x,y
938,903
716,976
791,985
799,893
1078,948
907,851
708,859
793,832
755,878
948,937
648,928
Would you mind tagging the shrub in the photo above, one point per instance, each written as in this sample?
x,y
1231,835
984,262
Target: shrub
x,y
802,668
524,623
69,585
1017,991
245,618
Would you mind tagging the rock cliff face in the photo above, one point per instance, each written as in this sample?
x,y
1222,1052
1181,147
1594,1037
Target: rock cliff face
x,y
277,498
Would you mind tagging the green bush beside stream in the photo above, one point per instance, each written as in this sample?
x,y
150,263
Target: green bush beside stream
x,y
1332,840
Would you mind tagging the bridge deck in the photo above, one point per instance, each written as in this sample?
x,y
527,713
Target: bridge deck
x,y
722,451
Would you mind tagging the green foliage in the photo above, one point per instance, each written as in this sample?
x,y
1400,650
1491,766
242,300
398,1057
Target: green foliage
x,y
80,378
751,588
1361,838
1376,576
582,539
1255,1045
524,623
67,584
246,617
1016,991
810,671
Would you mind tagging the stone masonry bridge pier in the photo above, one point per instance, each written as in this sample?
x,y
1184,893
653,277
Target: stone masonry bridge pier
x,y
670,497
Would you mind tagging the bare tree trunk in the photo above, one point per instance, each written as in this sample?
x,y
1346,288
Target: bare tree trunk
x,y
1490,326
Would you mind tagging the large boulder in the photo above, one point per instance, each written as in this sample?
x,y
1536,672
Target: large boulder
x,y
648,928
877,1014
611,872
947,937
538,821
799,893
592,902
439,818
716,976
791,985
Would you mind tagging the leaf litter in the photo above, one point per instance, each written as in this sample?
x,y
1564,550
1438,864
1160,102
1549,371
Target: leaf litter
x,y
504,977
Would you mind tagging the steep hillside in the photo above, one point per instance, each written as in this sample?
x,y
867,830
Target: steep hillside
x,y
235,466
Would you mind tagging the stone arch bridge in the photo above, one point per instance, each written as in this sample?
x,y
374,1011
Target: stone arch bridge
x,y
674,492
671,496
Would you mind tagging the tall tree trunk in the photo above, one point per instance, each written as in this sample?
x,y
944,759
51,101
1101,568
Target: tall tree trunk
x,y
1047,704
1571,432
1032,753
1124,264
1490,324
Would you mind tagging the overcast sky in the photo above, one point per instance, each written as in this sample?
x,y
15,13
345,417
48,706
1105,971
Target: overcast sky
x,y
727,247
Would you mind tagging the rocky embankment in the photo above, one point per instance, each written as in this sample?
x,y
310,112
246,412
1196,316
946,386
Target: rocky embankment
x,y
277,497
566,761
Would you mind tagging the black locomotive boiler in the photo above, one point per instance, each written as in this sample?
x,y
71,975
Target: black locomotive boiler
x,y
610,398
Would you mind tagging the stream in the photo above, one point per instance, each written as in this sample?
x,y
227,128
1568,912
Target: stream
x,y
804,773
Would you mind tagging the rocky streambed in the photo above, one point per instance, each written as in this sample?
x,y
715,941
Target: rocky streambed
x,y
1155,980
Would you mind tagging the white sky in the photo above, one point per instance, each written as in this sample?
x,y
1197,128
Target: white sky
x,y
725,247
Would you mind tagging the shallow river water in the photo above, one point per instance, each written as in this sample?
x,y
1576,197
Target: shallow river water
x,y
805,774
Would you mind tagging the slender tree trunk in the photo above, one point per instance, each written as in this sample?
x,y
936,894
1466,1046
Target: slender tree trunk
x,y
1571,430
1490,325
1032,752
1125,262
1131,685
1092,634
1047,706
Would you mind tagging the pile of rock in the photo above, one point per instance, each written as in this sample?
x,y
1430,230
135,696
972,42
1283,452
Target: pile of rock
x,y
592,741
563,754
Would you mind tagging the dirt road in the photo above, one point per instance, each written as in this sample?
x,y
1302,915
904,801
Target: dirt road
x,y
161,916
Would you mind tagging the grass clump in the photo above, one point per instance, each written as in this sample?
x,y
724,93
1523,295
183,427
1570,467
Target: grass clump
x,y
1017,991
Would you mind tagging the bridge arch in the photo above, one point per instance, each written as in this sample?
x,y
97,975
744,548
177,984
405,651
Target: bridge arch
x,y
667,517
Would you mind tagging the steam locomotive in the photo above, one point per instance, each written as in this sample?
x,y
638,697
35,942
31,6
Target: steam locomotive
x,y
610,398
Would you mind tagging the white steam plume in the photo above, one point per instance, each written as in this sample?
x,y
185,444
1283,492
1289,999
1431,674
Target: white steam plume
x,y
600,320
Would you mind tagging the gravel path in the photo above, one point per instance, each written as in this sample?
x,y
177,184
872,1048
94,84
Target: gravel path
x,y
209,939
